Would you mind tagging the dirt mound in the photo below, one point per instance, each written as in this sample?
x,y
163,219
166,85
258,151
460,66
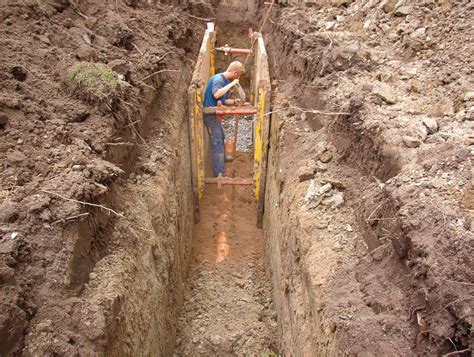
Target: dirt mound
x,y
388,273
80,85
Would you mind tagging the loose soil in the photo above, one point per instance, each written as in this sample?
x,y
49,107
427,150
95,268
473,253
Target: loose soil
x,y
368,227
228,308
368,211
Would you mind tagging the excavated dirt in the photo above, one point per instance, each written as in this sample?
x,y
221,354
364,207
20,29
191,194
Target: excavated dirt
x,y
368,233
369,197
75,278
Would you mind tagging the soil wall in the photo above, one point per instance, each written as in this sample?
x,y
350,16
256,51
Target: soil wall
x,y
364,234
96,190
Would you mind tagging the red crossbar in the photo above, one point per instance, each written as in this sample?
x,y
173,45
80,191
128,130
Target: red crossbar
x,y
236,112
240,51
229,181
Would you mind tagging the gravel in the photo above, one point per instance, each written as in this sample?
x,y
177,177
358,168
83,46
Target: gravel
x,y
245,132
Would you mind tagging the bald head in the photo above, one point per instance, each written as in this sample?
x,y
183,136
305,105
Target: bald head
x,y
235,70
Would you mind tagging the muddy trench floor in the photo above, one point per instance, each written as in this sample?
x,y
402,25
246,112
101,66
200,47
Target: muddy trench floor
x,y
228,308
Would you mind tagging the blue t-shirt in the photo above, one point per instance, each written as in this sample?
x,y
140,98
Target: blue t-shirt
x,y
216,82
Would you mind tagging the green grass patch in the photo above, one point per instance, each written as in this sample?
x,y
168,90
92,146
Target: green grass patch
x,y
91,74
97,80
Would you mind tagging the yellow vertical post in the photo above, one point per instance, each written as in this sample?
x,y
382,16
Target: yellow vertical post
x,y
199,142
258,144
265,134
212,66
205,67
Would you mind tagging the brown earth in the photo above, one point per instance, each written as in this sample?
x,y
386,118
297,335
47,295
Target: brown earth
x,y
228,308
368,227
367,207
78,278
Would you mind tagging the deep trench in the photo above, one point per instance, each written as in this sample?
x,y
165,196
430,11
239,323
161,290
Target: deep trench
x,y
210,281
223,286
228,307
219,289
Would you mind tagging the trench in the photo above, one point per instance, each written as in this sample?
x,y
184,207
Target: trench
x,y
235,289
163,284
228,308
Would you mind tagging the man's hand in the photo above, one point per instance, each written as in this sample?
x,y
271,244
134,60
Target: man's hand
x,y
225,89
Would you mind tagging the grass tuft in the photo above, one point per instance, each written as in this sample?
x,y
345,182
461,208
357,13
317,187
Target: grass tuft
x,y
98,81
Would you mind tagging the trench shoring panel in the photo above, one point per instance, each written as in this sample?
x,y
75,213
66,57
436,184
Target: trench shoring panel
x,y
260,94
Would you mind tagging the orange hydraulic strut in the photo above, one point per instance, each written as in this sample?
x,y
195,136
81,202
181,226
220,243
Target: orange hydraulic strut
x,y
229,181
221,110
227,49
237,111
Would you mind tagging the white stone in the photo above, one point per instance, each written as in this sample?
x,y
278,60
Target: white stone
x,y
403,11
408,70
325,188
422,133
384,91
330,25
431,124
468,96
420,32
338,200
410,141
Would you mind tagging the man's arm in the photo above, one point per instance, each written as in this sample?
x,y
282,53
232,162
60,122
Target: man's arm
x,y
232,102
220,92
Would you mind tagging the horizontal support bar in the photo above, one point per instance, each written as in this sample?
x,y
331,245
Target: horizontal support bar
x,y
239,51
236,112
230,110
229,181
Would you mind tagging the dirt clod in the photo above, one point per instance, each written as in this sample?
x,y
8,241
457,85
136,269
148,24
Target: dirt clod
x,y
19,73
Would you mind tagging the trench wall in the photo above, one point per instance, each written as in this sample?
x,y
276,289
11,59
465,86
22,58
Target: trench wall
x,y
312,252
368,277
142,319
124,276
297,290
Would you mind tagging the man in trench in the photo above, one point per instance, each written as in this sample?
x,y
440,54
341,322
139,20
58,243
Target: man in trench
x,y
218,89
